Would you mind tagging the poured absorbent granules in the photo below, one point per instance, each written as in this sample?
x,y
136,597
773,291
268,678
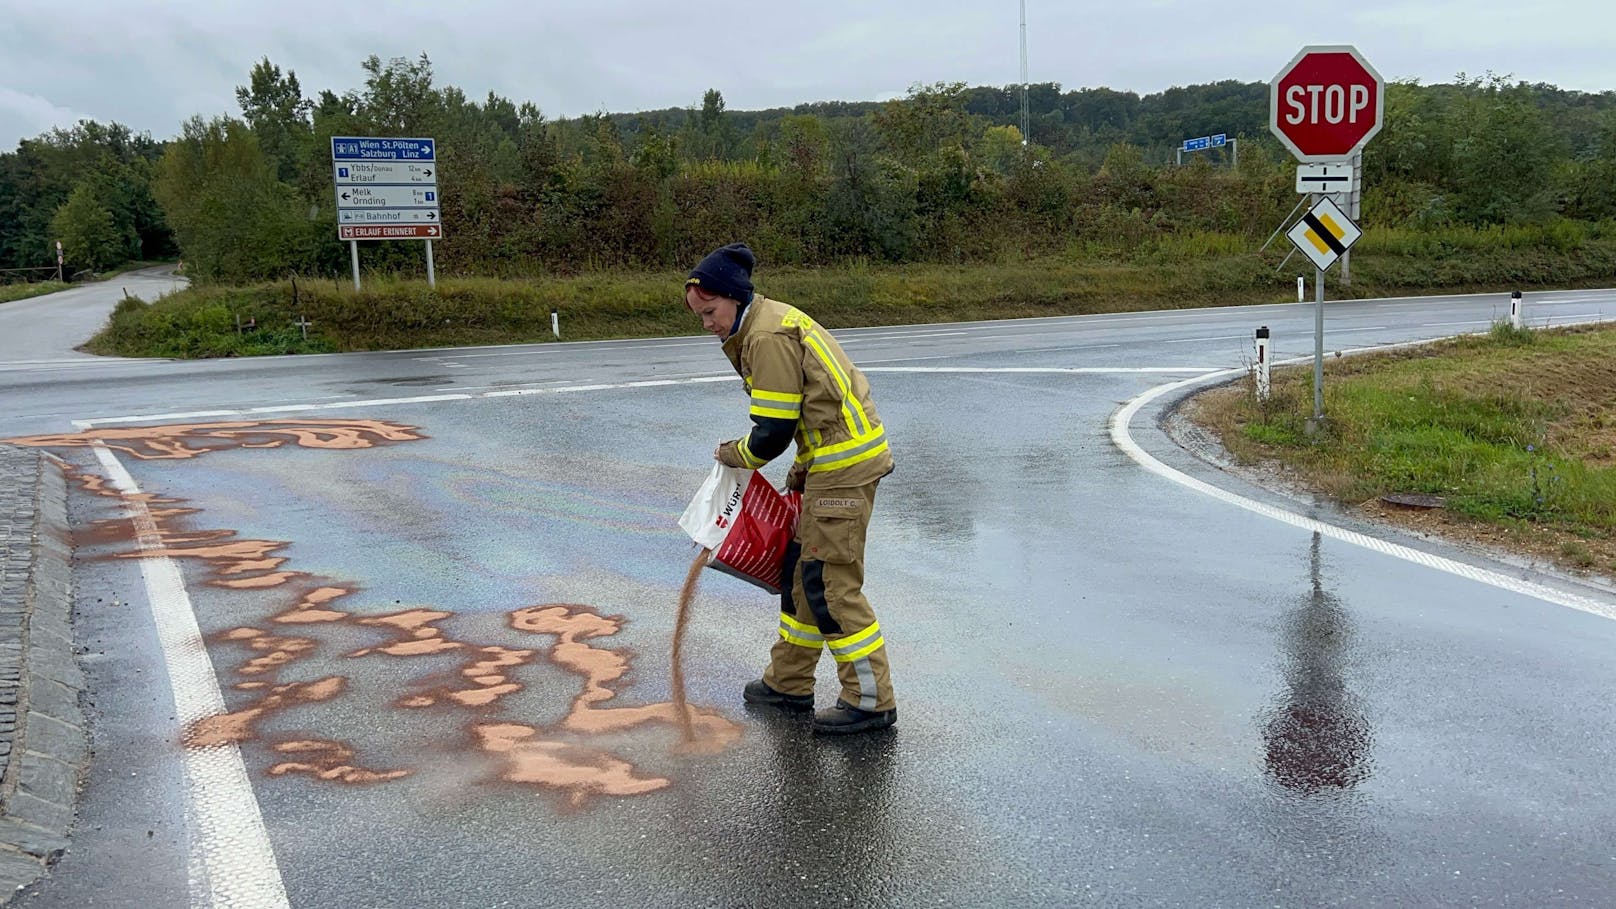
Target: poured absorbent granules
x,y
686,595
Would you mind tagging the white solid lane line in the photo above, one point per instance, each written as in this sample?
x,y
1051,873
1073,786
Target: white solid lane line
x,y
233,864
1121,436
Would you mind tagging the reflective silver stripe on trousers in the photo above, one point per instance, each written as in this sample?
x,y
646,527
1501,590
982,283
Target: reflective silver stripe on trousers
x,y
866,677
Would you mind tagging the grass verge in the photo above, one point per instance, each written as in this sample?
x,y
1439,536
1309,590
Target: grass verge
x,y
400,313
10,292
1514,430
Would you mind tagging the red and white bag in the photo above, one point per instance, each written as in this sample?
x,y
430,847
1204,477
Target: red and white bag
x,y
746,522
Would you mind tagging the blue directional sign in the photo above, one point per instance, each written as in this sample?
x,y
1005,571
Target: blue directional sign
x,y
1220,140
387,188
1198,144
359,148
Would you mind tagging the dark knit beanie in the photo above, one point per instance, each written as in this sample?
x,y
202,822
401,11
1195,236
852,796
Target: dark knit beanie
x,y
727,271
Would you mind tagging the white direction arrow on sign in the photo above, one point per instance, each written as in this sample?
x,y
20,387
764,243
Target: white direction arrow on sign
x,y
388,216
1324,233
1334,177
387,197
362,173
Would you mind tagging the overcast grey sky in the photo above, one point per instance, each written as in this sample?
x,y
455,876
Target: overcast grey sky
x,y
150,65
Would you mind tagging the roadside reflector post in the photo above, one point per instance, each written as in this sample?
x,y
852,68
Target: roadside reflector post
x,y
555,323
1263,385
1301,289
1517,318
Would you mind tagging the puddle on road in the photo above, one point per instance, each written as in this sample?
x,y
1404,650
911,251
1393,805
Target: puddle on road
x,y
555,758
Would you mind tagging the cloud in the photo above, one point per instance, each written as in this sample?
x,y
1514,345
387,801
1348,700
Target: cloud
x,y
151,65
23,114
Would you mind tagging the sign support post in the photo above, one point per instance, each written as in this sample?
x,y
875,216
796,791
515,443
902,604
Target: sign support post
x,y
353,246
431,273
1318,345
1324,106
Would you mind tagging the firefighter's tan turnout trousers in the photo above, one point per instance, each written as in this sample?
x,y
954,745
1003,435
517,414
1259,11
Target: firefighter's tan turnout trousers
x,y
824,608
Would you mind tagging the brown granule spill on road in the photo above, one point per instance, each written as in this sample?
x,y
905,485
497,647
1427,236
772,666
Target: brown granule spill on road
x,y
423,639
579,772
277,650
235,728
330,761
189,440
600,668
308,610
550,757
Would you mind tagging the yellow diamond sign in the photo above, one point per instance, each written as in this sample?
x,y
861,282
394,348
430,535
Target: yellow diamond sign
x,y
1324,233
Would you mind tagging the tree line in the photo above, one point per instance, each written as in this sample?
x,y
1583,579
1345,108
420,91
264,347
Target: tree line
x,y
941,175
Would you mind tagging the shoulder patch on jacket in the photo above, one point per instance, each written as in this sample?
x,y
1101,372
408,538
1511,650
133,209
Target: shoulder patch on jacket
x,y
796,318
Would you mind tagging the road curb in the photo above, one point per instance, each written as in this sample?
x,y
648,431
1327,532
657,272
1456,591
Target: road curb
x,y
44,746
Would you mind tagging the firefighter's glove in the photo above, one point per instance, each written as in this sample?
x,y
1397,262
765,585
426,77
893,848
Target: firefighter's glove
x,y
797,478
729,455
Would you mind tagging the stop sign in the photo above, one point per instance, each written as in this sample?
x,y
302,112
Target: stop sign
x,y
1326,103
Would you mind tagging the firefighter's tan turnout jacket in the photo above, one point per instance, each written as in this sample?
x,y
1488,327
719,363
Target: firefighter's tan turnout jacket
x,y
803,387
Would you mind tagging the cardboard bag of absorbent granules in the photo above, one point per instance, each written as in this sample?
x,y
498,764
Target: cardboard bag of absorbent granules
x,y
746,523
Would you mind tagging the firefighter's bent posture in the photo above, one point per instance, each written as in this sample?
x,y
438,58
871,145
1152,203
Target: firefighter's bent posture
x,y
804,388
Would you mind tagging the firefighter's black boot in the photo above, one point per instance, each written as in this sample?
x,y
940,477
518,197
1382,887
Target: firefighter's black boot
x,y
844,719
759,692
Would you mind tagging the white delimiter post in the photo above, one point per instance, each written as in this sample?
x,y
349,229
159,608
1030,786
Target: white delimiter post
x,y
1301,289
1517,316
1263,383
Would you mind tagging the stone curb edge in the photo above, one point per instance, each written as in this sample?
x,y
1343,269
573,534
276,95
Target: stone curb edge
x,y
50,747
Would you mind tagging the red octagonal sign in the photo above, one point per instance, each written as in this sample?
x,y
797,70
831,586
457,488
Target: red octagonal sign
x,y
1326,103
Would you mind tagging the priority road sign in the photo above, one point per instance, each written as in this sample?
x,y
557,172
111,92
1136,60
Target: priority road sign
x,y
1324,234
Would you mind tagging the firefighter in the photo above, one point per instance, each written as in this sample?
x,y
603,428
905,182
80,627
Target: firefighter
x,y
803,388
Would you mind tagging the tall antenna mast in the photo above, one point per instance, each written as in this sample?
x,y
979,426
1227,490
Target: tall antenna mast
x,y
1025,114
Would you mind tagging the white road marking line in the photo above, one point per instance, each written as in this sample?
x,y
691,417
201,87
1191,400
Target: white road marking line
x,y
1445,324
385,402
1048,370
550,349
1122,437
1218,338
552,383
232,863
898,336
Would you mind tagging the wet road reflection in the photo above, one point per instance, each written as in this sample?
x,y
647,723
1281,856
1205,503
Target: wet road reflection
x,y
1317,738
828,834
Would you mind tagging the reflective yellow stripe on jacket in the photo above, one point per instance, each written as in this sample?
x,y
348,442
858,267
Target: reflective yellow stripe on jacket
x,y
866,442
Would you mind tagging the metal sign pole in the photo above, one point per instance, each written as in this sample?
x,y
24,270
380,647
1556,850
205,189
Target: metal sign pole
x,y
353,246
431,273
1318,345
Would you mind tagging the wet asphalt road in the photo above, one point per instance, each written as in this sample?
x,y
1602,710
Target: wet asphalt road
x,y
1113,690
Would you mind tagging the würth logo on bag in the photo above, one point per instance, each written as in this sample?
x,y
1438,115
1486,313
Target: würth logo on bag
x,y
729,507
